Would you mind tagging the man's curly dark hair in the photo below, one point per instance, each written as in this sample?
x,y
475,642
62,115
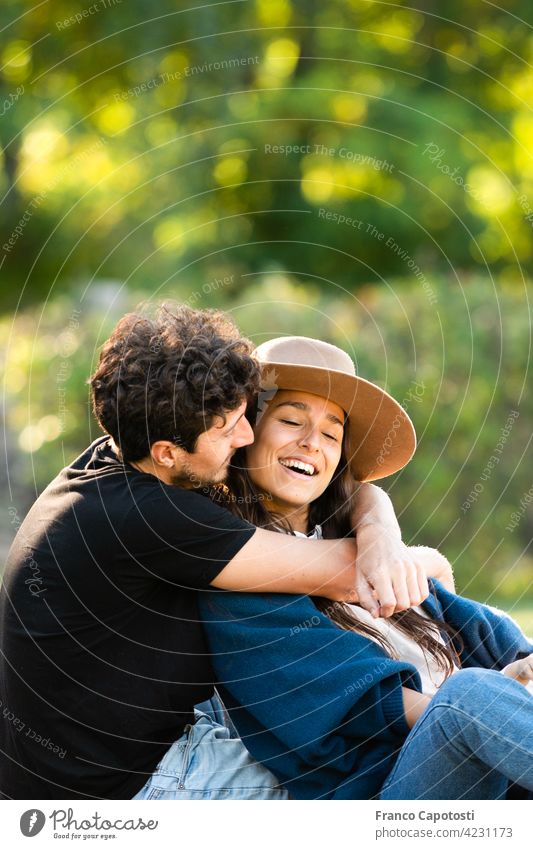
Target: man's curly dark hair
x,y
169,376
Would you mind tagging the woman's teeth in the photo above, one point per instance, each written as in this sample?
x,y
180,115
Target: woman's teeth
x,y
299,466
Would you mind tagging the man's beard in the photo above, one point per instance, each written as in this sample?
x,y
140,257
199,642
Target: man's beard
x,y
187,479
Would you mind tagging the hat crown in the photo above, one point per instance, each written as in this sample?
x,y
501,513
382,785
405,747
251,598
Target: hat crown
x,y
304,351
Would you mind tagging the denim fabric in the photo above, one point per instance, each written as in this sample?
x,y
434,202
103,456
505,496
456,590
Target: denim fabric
x,y
216,709
210,761
473,741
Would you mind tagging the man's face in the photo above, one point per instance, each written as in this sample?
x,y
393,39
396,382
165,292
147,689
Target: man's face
x,y
214,449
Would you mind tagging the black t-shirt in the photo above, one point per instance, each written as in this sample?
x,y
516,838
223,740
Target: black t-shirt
x,y
102,654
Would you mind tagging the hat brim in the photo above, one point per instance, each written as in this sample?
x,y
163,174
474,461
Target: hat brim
x,y
382,437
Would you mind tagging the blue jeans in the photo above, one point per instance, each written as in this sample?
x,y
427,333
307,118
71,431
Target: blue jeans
x,y
210,761
473,741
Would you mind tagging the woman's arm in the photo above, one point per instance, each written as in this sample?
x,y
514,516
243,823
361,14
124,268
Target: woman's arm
x,y
491,639
402,570
414,705
520,670
388,580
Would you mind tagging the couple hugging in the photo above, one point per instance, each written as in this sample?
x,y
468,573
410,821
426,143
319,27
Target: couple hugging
x,y
224,532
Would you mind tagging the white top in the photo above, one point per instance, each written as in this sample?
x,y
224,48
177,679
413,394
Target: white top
x,y
406,649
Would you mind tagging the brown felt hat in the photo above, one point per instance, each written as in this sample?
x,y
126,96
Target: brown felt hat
x,y
382,437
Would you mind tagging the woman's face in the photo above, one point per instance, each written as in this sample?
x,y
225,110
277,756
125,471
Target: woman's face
x,y
297,447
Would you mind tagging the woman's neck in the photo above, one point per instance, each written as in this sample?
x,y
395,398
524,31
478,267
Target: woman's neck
x,y
297,517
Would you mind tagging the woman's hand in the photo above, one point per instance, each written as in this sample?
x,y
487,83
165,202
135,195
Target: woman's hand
x,y
388,577
435,565
391,576
520,670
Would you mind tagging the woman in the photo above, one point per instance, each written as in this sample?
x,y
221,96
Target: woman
x,y
328,700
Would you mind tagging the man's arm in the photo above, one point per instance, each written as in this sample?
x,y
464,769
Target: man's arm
x,y
343,570
281,563
372,506
186,538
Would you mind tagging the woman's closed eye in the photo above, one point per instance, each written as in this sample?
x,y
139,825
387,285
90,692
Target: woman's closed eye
x,y
330,436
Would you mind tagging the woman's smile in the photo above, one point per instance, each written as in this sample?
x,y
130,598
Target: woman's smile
x,y
301,467
297,448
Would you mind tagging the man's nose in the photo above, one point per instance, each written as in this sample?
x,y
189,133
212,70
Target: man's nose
x,y
244,434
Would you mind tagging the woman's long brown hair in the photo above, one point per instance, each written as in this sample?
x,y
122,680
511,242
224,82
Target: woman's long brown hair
x,y
333,511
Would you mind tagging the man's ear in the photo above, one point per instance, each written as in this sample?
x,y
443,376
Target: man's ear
x,y
164,453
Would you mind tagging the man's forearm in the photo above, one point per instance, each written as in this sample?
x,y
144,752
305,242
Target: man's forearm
x,y
281,563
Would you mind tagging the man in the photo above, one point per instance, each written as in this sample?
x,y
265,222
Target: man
x,y
102,653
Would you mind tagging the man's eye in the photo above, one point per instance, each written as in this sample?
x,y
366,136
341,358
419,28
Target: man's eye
x,y
331,436
289,422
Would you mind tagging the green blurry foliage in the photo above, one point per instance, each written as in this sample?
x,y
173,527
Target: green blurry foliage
x,y
140,144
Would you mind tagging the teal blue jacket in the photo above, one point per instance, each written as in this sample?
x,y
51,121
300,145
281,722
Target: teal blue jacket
x,y
322,707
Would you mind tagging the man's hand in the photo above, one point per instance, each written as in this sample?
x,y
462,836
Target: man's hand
x,y
435,564
388,578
